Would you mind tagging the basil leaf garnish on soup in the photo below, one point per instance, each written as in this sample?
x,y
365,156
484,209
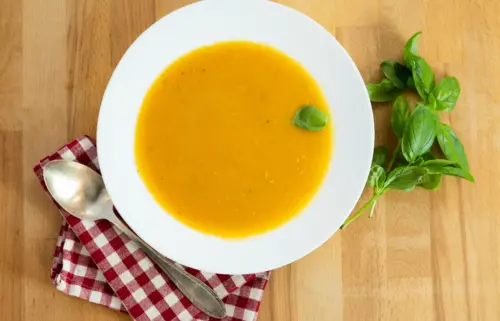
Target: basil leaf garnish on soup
x,y
310,118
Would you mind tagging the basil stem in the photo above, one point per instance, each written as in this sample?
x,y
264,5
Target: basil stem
x,y
352,218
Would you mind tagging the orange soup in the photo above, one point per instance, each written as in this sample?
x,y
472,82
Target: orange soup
x,y
215,144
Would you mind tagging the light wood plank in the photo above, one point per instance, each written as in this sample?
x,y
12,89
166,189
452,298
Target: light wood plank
x,y
88,61
163,7
12,223
47,117
10,65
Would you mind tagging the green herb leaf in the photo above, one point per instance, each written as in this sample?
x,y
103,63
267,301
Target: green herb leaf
x,y
439,163
310,118
431,181
432,102
423,77
446,93
376,178
380,155
411,48
446,167
404,73
410,83
389,69
451,146
419,161
404,177
419,133
400,115
383,91
452,171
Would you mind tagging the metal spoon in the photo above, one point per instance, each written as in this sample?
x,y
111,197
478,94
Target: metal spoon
x,y
81,192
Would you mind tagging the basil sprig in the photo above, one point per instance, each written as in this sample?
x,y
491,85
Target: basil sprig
x,y
419,131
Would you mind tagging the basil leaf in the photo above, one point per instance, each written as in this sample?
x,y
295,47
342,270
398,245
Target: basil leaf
x,y
439,163
383,91
446,167
404,177
432,101
400,115
404,73
376,178
389,69
399,75
419,133
431,181
310,118
446,93
419,161
451,146
410,83
452,171
380,155
411,48
422,76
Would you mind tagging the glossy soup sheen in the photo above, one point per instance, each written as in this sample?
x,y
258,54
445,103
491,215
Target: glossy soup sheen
x,y
215,143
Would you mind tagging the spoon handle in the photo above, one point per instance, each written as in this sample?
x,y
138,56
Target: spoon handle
x,y
202,296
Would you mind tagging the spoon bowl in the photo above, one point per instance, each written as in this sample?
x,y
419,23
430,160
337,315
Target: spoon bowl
x,y
78,189
81,192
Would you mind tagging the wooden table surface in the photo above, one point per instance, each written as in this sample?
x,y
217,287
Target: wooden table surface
x,y
424,256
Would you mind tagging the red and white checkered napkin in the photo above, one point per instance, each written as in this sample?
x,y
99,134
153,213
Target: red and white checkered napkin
x,y
96,262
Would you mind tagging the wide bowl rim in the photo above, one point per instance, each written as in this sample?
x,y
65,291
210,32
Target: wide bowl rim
x,y
284,244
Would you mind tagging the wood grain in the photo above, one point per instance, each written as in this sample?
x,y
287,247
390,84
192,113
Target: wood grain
x,y
424,256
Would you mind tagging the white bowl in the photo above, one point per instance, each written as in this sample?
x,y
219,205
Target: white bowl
x,y
205,23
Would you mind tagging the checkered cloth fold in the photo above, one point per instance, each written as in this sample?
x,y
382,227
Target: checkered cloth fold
x,y
96,262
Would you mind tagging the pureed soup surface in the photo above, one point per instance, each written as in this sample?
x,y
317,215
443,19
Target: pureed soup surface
x,y
215,143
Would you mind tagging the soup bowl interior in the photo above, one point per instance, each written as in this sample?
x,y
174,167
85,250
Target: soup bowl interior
x,y
209,22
